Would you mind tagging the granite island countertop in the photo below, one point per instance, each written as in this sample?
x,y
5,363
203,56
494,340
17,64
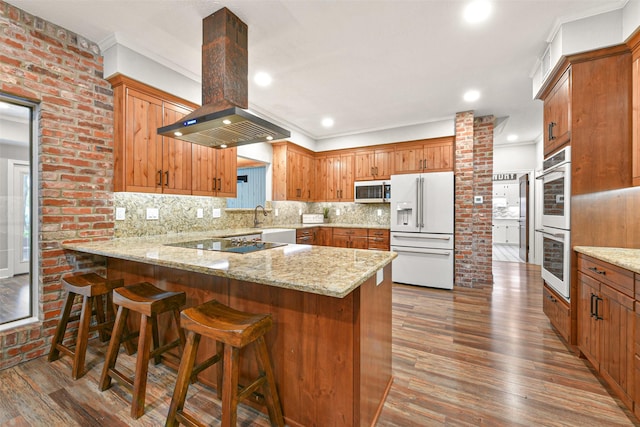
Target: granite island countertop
x,y
322,270
628,259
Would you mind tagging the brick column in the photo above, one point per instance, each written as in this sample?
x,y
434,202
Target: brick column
x,y
482,246
62,71
473,170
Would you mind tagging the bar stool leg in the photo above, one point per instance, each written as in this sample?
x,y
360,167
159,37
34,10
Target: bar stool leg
x,y
83,337
147,327
184,378
114,347
271,393
219,368
230,386
98,302
54,352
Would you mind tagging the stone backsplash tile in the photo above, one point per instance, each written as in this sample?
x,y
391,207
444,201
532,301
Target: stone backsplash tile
x,y
178,214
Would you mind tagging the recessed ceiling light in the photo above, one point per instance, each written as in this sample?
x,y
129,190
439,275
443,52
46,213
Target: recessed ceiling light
x,y
471,95
512,137
262,79
327,122
477,11
269,138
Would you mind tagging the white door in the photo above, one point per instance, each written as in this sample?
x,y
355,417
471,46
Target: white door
x,y
19,216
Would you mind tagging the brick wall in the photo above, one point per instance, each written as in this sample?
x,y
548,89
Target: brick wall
x,y
473,169
63,73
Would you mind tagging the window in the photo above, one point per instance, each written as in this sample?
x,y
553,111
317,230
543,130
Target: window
x,y
17,122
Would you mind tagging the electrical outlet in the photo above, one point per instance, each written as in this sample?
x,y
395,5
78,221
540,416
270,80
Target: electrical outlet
x,y
200,213
275,212
216,213
153,213
120,214
337,212
299,211
379,212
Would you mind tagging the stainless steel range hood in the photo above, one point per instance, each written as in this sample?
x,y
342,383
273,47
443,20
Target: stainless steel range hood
x,y
223,121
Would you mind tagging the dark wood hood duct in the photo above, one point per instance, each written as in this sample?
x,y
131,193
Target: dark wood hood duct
x,y
223,121
225,62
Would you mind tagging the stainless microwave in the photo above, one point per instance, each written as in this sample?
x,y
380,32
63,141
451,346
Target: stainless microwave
x,y
372,191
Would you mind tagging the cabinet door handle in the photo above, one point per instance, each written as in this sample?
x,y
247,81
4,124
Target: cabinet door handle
x,y
424,163
166,176
373,172
219,184
377,170
309,193
595,270
593,313
551,126
420,164
597,313
160,177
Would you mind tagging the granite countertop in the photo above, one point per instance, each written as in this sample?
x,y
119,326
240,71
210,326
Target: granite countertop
x,y
628,259
316,269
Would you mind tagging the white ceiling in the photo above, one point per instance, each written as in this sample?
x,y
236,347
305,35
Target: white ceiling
x,y
368,64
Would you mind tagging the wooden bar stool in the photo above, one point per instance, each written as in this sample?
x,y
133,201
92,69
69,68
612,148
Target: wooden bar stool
x,y
232,330
148,301
92,287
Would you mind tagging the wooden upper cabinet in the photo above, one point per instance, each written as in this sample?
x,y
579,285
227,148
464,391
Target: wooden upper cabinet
x,y
214,171
340,177
557,115
373,164
176,154
294,171
589,100
634,44
430,155
143,160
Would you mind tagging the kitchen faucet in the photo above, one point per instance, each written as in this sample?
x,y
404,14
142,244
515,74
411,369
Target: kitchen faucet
x,y
256,223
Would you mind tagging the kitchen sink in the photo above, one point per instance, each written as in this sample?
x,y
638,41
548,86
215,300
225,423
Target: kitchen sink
x,y
279,235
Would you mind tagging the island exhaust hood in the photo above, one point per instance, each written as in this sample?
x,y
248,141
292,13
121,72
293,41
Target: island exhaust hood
x,y
223,121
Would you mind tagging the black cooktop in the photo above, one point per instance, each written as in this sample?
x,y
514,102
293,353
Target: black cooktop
x,y
236,245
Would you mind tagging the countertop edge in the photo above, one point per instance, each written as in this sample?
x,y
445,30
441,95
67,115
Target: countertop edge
x,y
370,272
626,258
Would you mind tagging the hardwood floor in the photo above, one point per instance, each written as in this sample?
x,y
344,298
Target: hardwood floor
x,y
14,298
469,357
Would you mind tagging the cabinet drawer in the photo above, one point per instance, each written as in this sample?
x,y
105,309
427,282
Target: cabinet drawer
x,y
306,236
558,312
618,278
381,233
351,232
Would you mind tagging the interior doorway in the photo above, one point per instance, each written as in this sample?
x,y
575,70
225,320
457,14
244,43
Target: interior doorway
x,y
511,216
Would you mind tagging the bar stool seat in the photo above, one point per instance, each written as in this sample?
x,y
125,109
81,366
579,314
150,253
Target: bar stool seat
x,y
92,288
149,301
232,330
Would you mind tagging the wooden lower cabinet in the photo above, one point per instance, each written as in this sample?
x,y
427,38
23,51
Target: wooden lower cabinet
x,y
378,239
324,236
558,312
306,236
606,323
355,238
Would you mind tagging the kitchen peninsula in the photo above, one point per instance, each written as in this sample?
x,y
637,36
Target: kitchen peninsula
x,y
331,340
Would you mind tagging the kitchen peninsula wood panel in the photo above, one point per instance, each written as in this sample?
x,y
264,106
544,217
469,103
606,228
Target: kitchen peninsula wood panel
x,y
331,356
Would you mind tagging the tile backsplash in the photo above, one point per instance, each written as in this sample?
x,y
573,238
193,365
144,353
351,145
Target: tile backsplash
x,y
178,214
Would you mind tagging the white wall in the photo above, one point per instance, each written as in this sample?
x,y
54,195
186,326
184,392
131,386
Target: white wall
x,y
386,136
630,18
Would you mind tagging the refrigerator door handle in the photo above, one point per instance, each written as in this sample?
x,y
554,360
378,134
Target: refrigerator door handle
x,y
418,202
422,202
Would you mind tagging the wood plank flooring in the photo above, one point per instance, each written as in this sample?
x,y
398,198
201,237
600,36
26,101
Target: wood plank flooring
x,y
468,357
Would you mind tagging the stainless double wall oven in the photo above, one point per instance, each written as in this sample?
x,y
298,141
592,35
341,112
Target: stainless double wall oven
x,y
556,221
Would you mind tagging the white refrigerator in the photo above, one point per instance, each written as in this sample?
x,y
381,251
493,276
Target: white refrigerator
x,y
422,229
